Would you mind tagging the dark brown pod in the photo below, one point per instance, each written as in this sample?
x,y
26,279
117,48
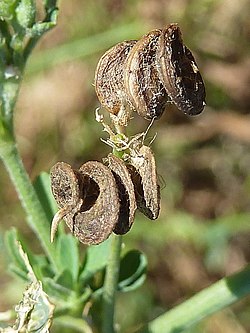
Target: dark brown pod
x,y
179,72
126,194
143,86
88,199
147,191
109,77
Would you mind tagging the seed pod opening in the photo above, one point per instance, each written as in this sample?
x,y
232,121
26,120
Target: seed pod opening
x,y
179,72
94,225
147,190
109,77
144,88
126,194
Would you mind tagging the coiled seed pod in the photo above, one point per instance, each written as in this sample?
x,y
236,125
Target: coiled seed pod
x,y
126,194
88,199
143,86
179,72
109,77
147,191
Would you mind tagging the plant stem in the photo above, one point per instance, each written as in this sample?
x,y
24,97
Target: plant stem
x,y
110,284
37,219
210,300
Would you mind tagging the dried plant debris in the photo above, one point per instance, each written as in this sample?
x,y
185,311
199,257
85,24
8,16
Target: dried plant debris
x,y
142,83
148,74
126,194
88,199
147,190
34,312
179,72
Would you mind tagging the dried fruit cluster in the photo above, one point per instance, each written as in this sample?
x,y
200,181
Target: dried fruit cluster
x,y
97,199
144,76
148,74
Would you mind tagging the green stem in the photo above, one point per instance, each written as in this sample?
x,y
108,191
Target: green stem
x,y
29,47
210,300
110,284
37,219
9,154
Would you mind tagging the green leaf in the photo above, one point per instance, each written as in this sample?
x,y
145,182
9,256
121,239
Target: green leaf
x,y
41,266
96,260
26,13
56,290
18,272
43,191
72,324
68,254
7,8
65,279
17,264
132,271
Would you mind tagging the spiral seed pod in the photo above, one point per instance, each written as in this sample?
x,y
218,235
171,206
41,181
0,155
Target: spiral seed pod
x,y
143,86
109,77
95,224
66,185
147,191
179,72
88,199
126,194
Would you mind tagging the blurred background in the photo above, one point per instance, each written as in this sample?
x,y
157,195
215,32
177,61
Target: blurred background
x,y
203,232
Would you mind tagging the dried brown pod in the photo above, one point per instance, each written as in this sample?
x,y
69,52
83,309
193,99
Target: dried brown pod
x,y
179,72
95,225
143,86
126,194
66,185
109,77
88,199
143,173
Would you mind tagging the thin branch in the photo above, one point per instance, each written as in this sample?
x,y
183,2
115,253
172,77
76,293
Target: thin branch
x,y
210,300
110,284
